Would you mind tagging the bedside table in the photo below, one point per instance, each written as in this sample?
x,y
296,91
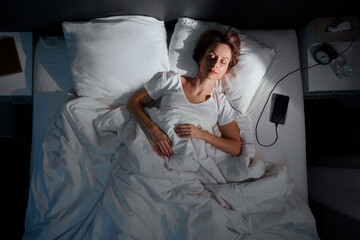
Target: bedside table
x,y
19,84
16,88
321,80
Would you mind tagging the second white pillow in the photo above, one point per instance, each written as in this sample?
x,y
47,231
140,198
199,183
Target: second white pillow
x,y
241,83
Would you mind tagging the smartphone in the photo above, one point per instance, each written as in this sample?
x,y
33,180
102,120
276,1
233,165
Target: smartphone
x,y
279,105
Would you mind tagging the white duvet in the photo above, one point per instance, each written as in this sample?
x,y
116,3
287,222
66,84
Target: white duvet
x,y
101,179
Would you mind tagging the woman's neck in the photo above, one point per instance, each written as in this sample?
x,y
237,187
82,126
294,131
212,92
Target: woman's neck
x,y
197,90
202,84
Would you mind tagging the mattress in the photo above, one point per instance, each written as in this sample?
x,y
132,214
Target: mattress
x,y
89,179
52,83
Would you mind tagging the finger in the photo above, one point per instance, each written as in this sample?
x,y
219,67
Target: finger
x,y
167,145
169,142
169,150
179,132
182,126
182,130
184,135
161,148
164,149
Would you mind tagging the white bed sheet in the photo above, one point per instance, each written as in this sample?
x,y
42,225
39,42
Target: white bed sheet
x,y
53,82
290,148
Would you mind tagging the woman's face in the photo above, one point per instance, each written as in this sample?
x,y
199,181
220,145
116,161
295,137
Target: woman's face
x,y
215,62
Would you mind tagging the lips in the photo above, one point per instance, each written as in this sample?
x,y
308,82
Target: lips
x,y
213,71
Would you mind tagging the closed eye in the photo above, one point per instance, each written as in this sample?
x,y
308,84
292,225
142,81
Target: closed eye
x,y
223,61
212,55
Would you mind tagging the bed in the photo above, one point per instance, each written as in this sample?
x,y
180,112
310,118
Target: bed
x,y
94,174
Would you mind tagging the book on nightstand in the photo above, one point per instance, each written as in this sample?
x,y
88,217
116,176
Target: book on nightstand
x,y
9,57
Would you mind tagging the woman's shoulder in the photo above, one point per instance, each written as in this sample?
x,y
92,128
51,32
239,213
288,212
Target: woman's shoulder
x,y
172,74
165,76
184,79
167,80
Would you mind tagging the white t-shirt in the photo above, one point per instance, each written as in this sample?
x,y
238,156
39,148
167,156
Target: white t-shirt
x,y
168,88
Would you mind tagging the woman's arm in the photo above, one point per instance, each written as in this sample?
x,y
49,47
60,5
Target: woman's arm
x,y
136,105
229,142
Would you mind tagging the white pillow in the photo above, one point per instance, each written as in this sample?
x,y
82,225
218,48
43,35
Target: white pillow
x,y
241,83
111,58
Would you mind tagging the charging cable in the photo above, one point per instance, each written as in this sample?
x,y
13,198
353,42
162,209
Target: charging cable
x,y
267,100
277,83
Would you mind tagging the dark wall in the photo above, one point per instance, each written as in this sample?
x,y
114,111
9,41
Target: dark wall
x,y
47,16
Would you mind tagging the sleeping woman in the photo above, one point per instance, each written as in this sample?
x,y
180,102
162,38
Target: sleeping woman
x,y
197,97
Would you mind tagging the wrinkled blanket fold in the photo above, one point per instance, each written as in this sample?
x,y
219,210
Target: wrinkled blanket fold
x,y
101,179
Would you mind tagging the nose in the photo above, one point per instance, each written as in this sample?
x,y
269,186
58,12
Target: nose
x,y
215,62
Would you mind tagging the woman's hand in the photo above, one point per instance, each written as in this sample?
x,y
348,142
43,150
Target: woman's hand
x,y
189,131
229,141
161,141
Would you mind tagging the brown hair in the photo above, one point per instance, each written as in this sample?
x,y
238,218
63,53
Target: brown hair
x,y
211,37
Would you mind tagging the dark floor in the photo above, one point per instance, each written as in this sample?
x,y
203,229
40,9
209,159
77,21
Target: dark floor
x,y
332,225
15,153
333,129
322,125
